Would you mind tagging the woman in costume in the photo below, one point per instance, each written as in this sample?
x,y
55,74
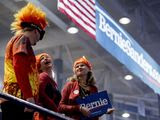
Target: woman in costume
x,y
49,96
80,85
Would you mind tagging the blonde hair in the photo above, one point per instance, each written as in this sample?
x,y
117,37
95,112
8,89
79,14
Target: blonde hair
x,y
90,79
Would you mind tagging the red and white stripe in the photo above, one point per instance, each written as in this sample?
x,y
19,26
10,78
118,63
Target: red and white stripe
x,y
81,12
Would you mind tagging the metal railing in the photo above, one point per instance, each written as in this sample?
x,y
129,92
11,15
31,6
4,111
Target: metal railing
x,y
34,106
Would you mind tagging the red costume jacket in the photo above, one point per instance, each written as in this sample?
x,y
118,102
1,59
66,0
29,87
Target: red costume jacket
x,y
20,75
68,104
49,96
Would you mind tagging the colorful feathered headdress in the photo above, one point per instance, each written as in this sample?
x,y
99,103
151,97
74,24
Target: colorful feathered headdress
x,y
29,15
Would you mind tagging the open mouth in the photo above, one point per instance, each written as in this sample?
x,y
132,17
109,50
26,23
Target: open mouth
x,y
47,62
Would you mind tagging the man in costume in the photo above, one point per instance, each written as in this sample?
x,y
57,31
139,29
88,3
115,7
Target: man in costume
x,y
20,72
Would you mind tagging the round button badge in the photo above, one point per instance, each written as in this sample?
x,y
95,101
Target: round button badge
x,y
76,91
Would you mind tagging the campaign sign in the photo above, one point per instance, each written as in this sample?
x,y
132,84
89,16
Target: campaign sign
x,y
114,39
97,103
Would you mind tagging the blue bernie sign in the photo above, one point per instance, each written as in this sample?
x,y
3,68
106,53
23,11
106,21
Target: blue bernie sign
x,y
125,49
97,103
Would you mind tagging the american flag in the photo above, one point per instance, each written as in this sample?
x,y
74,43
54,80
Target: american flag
x,y
82,13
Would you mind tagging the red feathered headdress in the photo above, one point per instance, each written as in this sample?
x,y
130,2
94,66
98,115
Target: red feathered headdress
x,y
29,15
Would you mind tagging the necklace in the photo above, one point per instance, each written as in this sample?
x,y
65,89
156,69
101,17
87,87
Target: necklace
x,y
83,92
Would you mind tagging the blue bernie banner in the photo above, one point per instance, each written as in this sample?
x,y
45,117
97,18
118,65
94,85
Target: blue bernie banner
x,y
125,49
97,103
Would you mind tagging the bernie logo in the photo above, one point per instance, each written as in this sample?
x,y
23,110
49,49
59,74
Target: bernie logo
x,y
95,104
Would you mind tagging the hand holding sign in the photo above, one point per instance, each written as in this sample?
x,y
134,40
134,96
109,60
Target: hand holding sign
x,y
110,110
85,111
97,103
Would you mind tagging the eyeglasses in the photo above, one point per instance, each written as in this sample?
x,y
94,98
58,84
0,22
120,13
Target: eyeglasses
x,y
42,32
31,25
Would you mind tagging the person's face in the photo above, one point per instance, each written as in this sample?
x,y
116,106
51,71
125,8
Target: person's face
x,y
46,62
81,69
35,37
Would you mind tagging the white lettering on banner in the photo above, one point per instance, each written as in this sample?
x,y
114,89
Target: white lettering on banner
x,y
126,46
95,104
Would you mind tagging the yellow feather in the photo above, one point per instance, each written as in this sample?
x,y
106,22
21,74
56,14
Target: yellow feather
x,y
29,13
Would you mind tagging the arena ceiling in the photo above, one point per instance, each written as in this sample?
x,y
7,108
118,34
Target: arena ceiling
x,y
144,28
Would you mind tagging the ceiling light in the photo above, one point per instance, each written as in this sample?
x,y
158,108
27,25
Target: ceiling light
x,y
128,77
72,30
125,115
124,20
